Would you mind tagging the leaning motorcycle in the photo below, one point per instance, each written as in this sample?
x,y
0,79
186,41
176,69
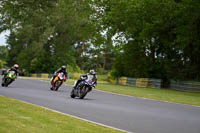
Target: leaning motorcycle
x,y
83,88
9,78
58,81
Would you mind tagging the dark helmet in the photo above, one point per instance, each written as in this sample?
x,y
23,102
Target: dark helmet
x,y
16,66
92,72
63,68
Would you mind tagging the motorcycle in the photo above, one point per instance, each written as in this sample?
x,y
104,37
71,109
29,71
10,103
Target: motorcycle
x,y
58,81
83,88
9,78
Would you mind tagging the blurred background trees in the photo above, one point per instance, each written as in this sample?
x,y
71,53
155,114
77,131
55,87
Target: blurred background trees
x,y
134,38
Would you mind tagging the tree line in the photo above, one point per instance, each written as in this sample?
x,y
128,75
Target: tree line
x,y
134,38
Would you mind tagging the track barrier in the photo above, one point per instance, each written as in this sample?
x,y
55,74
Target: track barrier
x,y
139,82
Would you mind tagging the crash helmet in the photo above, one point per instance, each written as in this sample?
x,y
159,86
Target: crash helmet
x,y
92,72
63,68
16,66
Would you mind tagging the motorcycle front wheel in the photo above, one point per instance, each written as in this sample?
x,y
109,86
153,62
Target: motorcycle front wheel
x,y
82,92
7,82
57,84
72,94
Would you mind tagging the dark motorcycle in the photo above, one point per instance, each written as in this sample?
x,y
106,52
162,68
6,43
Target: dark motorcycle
x,y
9,78
83,88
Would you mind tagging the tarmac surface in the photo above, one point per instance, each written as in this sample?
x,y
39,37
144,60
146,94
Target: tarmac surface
x,y
131,114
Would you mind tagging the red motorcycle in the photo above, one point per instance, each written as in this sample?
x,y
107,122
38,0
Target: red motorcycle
x,y
58,81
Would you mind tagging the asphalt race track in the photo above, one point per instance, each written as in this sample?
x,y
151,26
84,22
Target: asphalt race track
x,y
128,113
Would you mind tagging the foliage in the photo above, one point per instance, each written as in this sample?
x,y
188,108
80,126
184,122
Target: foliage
x,y
161,36
135,38
3,53
44,41
2,64
73,69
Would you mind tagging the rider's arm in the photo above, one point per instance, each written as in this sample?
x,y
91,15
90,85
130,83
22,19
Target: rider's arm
x,y
57,71
83,76
8,70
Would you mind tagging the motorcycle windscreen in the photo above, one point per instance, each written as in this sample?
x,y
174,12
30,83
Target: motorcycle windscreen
x,y
61,76
11,74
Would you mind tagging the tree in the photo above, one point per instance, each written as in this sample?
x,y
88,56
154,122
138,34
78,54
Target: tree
x,y
158,42
3,53
45,32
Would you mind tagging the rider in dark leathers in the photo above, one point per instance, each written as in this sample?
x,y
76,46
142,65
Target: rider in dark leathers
x,y
62,69
83,77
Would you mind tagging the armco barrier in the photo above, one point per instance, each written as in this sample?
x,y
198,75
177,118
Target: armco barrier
x,y
122,80
185,85
44,75
142,82
41,75
50,75
131,81
154,83
34,75
38,75
139,82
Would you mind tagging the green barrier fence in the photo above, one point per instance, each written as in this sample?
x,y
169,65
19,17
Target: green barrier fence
x,y
185,85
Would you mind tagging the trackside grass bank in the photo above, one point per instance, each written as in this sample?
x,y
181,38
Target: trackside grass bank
x,y
19,117
191,98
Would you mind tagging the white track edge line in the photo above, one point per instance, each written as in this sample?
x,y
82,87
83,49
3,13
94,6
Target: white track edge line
x,y
73,116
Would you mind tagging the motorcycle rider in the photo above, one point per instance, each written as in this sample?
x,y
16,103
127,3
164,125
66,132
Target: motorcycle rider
x,y
14,68
62,69
83,77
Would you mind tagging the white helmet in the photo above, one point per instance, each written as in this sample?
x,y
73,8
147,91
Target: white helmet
x,y
92,72
16,66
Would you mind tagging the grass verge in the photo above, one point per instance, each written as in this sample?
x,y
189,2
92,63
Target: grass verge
x,y
190,98
19,117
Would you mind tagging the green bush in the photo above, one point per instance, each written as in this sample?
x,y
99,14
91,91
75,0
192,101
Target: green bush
x,y
2,64
74,75
110,77
74,69
100,71
102,77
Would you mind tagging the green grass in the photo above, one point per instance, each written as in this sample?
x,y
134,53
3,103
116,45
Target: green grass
x,y
191,98
19,117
